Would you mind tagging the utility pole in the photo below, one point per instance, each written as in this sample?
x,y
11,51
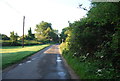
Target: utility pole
x,y
23,31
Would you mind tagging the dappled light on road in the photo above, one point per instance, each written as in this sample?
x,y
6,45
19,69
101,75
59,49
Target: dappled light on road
x,y
53,50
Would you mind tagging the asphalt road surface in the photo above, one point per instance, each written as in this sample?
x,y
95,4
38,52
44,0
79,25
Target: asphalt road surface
x,y
46,64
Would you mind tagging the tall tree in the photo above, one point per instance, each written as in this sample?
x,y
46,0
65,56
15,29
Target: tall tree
x,y
40,28
30,35
45,31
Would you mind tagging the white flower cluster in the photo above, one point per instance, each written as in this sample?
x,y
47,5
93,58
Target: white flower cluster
x,y
87,54
101,56
74,54
99,72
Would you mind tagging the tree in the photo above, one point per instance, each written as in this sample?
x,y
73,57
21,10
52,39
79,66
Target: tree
x,y
30,35
63,35
40,29
56,31
104,12
47,33
4,37
13,37
54,36
44,31
42,26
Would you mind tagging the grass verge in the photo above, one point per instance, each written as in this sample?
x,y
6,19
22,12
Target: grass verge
x,y
13,54
85,70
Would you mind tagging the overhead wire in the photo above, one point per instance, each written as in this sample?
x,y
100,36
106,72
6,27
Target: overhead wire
x,y
13,8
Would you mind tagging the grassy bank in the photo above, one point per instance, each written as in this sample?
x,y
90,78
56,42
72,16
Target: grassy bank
x,y
13,54
84,69
73,62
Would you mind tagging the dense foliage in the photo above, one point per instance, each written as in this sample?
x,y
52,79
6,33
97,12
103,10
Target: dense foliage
x,y
30,36
14,38
45,32
4,37
94,39
63,35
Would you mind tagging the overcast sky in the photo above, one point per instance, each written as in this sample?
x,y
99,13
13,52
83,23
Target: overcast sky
x,y
56,12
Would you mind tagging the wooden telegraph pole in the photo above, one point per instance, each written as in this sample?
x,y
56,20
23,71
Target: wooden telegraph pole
x,y
23,31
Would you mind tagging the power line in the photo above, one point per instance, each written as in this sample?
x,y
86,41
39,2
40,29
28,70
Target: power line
x,y
10,6
20,14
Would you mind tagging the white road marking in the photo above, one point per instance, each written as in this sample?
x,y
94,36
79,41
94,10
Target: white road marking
x,y
58,59
61,73
28,61
33,58
20,64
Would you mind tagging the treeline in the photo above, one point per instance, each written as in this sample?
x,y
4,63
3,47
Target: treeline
x,y
94,42
44,34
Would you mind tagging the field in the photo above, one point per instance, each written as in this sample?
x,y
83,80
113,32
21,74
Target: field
x,y
12,54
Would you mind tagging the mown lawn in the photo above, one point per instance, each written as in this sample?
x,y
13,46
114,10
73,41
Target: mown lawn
x,y
12,54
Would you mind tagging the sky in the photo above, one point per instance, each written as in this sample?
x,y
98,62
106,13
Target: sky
x,y
56,12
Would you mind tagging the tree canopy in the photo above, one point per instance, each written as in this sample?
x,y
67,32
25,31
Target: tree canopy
x,y
44,31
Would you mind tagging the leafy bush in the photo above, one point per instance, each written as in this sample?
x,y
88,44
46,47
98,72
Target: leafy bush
x,y
94,40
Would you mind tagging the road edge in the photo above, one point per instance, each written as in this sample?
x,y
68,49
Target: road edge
x,y
70,70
